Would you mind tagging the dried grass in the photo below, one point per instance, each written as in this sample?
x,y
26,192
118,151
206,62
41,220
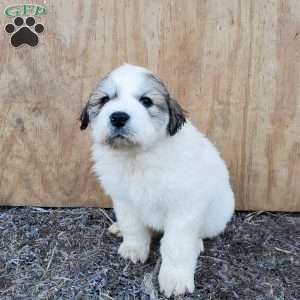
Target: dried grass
x,y
69,254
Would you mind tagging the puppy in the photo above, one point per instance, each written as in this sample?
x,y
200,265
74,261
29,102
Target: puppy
x,y
160,172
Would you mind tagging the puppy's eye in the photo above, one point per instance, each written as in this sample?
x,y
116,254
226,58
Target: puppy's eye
x,y
146,101
104,100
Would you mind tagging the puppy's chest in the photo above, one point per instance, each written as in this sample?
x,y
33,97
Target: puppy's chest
x,y
144,187
146,192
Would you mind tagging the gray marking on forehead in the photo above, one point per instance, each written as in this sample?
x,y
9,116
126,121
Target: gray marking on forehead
x,y
103,81
157,84
106,86
157,91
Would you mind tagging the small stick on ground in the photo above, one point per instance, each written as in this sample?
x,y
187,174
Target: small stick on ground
x,y
107,216
49,263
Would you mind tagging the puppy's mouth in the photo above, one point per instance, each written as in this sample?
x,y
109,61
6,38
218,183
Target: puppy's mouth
x,y
120,140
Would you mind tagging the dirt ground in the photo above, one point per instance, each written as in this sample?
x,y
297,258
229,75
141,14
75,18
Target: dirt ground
x,y
69,254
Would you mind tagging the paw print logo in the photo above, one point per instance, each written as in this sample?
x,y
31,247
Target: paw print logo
x,y
24,32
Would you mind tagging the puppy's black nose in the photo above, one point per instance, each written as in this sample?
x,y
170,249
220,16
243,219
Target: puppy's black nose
x,y
119,119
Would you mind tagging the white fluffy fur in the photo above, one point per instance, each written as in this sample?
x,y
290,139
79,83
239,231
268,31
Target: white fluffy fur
x,y
175,184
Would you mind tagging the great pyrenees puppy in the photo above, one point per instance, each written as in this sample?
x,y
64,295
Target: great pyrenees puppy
x,y
160,172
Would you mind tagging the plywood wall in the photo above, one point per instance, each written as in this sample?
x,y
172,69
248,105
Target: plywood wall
x,y
234,65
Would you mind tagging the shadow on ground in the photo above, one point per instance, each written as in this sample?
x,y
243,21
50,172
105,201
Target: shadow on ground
x,y
68,254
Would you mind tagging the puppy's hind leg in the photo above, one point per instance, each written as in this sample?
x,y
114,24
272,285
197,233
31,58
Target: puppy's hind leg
x,y
218,214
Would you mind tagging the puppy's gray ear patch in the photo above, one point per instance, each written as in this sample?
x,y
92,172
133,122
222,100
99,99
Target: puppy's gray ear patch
x,y
176,116
91,110
84,118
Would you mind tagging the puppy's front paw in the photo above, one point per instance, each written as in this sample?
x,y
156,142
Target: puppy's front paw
x,y
175,282
115,229
134,252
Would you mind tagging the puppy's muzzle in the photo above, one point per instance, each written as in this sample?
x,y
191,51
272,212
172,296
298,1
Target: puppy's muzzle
x,y
118,119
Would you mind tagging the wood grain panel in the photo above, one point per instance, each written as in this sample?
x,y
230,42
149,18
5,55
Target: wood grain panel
x,y
234,65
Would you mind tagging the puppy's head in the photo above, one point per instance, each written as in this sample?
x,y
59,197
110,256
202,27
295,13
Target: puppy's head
x,y
131,107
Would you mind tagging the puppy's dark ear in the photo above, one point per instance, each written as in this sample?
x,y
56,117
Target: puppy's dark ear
x,y
176,116
84,118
